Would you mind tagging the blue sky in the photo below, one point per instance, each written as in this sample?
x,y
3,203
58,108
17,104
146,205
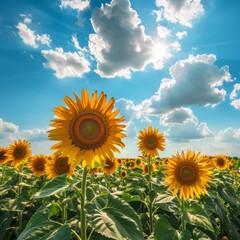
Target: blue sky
x,y
171,64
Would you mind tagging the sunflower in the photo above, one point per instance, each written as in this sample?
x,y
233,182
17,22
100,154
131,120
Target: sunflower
x,y
187,174
86,128
150,141
109,166
18,152
93,171
37,165
138,162
58,165
123,173
220,162
208,160
132,164
3,155
145,168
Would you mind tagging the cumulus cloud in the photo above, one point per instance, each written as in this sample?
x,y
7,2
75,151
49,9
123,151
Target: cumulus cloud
x,y
131,130
235,102
7,129
76,44
131,111
35,135
120,44
66,64
163,32
181,11
178,116
181,35
195,81
79,5
184,126
226,142
29,36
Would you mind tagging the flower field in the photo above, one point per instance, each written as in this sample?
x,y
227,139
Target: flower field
x,y
82,191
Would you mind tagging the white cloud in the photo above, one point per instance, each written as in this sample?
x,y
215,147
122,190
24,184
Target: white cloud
x,y
131,130
28,36
181,35
131,111
79,5
236,102
163,32
120,44
184,126
66,64
35,135
195,81
7,129
178,116
181,11
76,43
176,46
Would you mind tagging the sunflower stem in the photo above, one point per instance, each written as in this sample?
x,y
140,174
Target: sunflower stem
x,y
20,213
150,189
64,209
3,174
183,224
149,173
83,203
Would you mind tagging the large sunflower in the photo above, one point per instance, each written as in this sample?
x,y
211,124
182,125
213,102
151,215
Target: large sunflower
x,y
37,165
58,165
18,152
86,128
3,155
187,174
110,166
220,162
150,141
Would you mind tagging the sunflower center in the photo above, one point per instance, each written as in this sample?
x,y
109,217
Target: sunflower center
x,y
220,162
123,174
109,164
150,142
187,174
19,152
39,165
88,131
2,155
61,165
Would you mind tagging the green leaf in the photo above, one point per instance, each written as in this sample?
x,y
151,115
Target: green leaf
x,y
164,231
229,195
199,235
17,204
167,203
196,216
56,185
39,226
64,232
116,220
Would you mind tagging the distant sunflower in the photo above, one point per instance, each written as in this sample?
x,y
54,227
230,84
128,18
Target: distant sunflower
x,y
150,141
145,168
109,166
58,165
138,162
86,128
208,160
187,174
18,152
93,171
123,173
3,155
132,164
37,165
220,162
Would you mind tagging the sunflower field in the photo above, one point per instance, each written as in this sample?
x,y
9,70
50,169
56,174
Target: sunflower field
x,y
82,191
